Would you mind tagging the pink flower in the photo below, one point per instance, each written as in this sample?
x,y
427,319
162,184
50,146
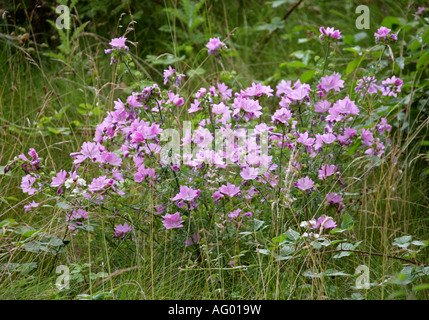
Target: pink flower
x,y
304,183
258,90
118,43
367,85
326,171
111,158
281,116
99,184
249,173
59,179
305,140
168,73
186,194
329,33
324,222
195,106
27,184
382,34
367,137
133,101
172,221
31,205
344,106
121,230
332,82
202,137
391,86
322,106
229,190
214,45
194,239
383,126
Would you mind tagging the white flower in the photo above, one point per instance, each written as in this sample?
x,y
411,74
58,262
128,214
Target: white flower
x,y
304,224
68,183
81,182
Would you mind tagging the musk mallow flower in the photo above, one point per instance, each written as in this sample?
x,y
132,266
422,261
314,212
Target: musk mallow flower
x,y
172,221
383,126
27,183
229,190
249,173
194,239
304,183
31,205
391,86
168,73
329,34
367,85
282,115
59,179
367,137
186,194
214,45
322,106
121,230
326,171
305,140
383,34
332,82
119,43
237,213
325,222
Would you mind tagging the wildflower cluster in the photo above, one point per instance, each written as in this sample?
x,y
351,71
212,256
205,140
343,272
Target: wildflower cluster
x,y
244,148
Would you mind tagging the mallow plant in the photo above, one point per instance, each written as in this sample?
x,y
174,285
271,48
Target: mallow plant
x,y
259,162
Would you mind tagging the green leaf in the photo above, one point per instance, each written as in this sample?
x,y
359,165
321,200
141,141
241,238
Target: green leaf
x,y
258,224
292,234
11,198
420,287
63,205
348,222
425,37
295,64
352,65
402,242
7,222
307,76
424,60
400,62
278,3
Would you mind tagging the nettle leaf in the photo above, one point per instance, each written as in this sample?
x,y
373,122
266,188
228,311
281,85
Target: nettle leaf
x,y
279,239
420,243
258,224
342,254
63,205
7,222
263,251
400,62
292,234
278,3
402,242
